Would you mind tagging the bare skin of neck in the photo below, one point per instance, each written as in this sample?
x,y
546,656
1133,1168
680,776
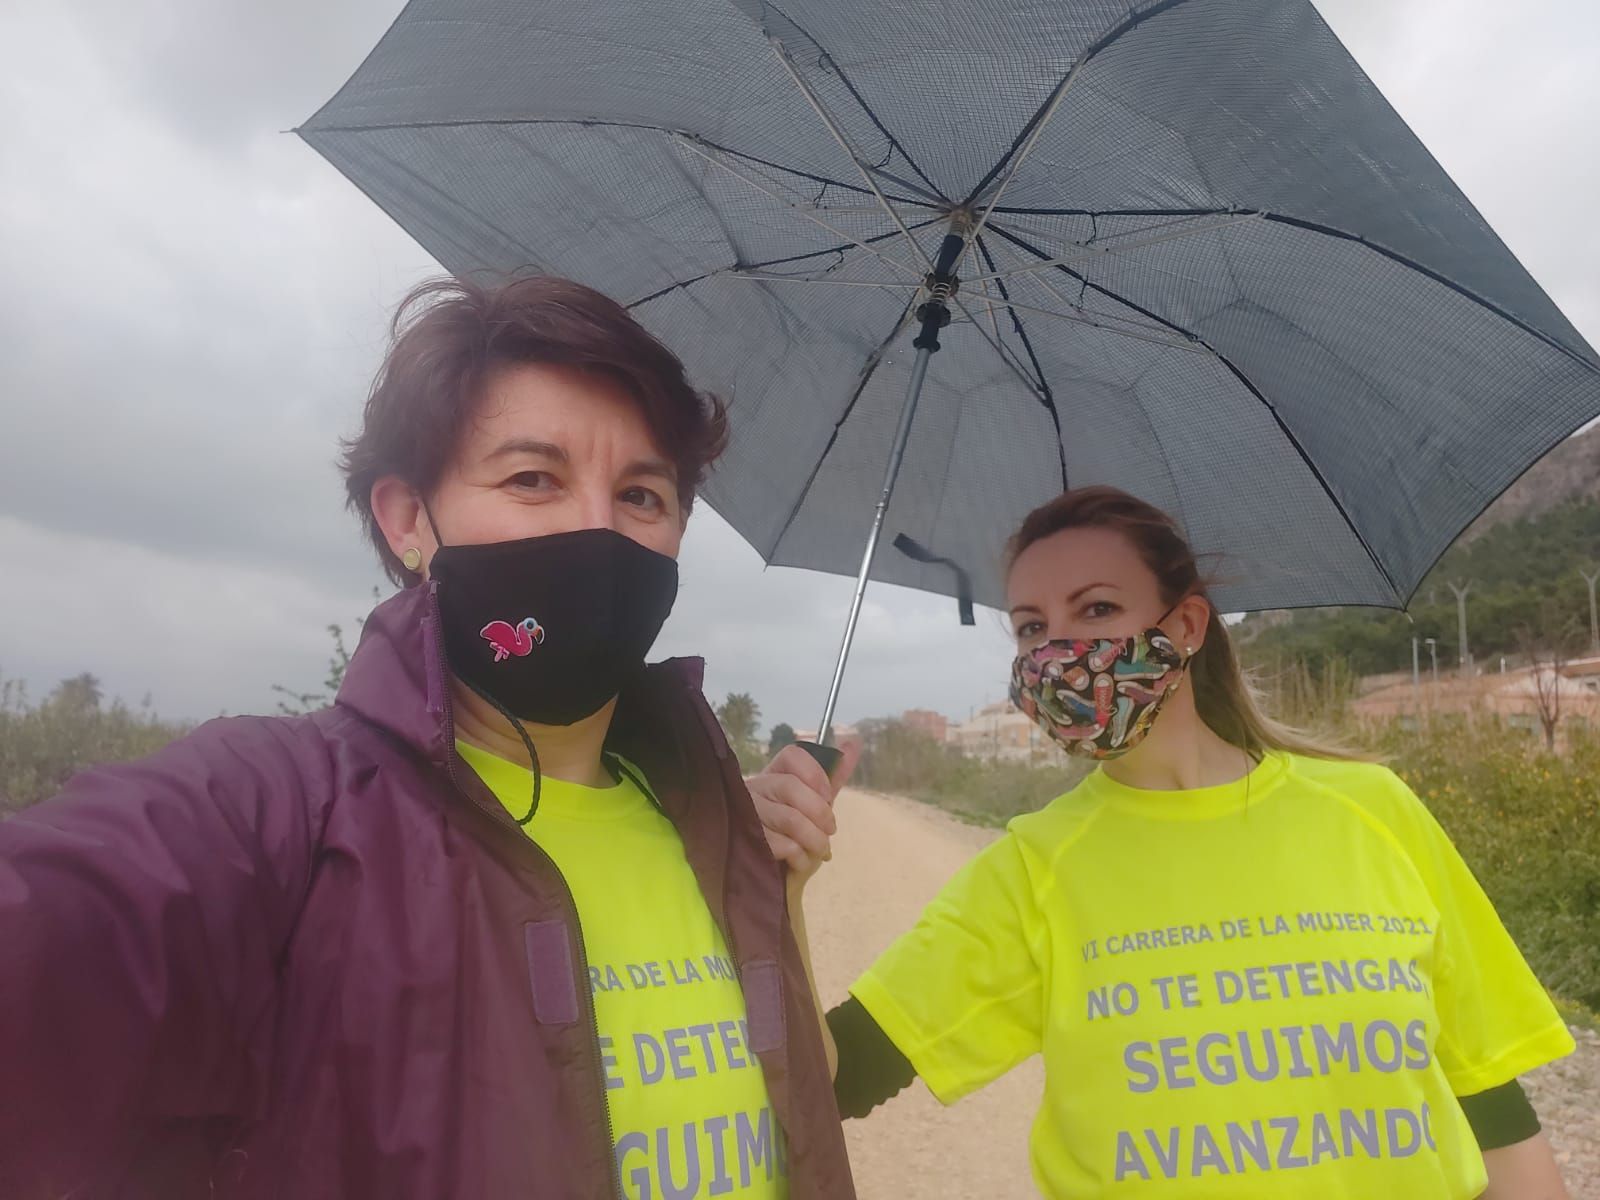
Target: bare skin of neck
x,y
1181,752
570,753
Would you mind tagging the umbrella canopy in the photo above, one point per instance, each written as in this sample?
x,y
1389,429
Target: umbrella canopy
x,y
1201,259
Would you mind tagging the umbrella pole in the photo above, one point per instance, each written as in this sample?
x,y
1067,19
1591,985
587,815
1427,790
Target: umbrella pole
x,y
934,315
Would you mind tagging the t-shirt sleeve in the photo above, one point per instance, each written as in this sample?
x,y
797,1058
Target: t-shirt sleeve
x,y
1496,1019
961,994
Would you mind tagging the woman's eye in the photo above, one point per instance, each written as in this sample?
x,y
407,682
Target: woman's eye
x,y
1102,608
642,497
1030,629
537,481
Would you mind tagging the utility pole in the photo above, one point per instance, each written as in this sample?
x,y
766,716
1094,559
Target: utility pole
x,y
1594,611
1416,679
1461,615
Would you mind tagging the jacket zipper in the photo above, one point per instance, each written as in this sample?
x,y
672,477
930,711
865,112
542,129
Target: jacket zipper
x,y
727,933
585,992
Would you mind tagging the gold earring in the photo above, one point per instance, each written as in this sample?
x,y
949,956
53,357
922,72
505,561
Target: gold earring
x,y
412,559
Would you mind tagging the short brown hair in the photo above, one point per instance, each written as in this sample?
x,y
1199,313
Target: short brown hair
x,y
449,335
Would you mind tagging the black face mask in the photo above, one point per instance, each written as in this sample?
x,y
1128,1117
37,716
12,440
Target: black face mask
x,y
551,628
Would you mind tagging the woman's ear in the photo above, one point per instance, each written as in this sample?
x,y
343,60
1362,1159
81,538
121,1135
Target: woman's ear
x,y
1194,620
399,514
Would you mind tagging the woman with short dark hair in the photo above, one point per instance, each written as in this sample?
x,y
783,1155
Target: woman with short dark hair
x,y
501,921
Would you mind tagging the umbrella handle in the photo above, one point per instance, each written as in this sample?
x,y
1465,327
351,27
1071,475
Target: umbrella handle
x,y
827,757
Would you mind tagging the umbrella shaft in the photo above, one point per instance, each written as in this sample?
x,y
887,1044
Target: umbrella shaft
x,y
934,315
902,435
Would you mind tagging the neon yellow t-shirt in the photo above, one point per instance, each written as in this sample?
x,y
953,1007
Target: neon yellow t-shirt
x,y
689,1106
1275,987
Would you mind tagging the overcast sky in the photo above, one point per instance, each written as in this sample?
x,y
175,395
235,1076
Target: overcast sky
x,y
196,304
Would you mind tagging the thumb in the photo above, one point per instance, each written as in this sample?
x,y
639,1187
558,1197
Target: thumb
x,y
840,775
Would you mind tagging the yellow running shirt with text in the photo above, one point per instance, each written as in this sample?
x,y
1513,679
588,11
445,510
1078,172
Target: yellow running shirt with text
x,y
689,1106
1274,987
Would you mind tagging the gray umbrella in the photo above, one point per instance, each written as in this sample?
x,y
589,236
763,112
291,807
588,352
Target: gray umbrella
x,y
1184,247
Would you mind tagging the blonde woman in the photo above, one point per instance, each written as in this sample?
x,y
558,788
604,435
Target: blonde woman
x,y
1255,966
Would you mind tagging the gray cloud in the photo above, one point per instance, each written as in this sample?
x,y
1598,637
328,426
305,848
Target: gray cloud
x,y
197,303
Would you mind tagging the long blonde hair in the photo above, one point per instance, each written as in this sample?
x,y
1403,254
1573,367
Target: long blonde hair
x,y
1226,700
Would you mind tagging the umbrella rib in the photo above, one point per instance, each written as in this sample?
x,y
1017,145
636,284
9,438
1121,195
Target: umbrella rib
x,y
1039,387
1248,385
931,201
1082,316
1092,250
1428,272
992,306
775,277
1091,321
694,145
1006,356
994,315
844,144
1037,126
1171,221
1041,114
815,178
1233,216
742,270
1007,210
868,369
1155,334
933,191
1135,329
1046,394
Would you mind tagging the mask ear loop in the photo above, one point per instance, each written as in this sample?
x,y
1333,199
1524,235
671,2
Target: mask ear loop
x,y
433,526
527,742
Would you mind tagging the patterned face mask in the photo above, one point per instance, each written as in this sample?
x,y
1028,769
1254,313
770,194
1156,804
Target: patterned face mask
x,y
1097,699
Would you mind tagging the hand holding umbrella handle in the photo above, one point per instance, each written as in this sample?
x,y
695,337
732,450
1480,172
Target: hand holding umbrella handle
x,y
827,757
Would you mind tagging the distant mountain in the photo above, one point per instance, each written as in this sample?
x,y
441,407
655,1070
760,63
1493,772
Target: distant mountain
x,y
1521,561
1569,472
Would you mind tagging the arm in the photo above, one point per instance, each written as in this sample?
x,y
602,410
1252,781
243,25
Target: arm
x,y
1518,1157
871,1068
142,913
1526,1170
794,798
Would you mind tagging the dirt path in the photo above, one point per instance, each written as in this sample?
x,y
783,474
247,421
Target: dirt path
x,y
889,860
891,857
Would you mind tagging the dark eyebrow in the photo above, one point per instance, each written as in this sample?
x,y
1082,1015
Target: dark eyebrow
x,y
660,468
1088,587
532,446
558,454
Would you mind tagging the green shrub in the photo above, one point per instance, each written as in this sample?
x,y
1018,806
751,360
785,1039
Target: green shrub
x,y
44,744
1528,824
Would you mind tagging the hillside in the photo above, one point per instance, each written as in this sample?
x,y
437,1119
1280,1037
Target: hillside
x,y
1521,560
1569,472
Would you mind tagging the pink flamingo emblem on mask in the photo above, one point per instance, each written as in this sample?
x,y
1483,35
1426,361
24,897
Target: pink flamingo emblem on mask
x,y
508,639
